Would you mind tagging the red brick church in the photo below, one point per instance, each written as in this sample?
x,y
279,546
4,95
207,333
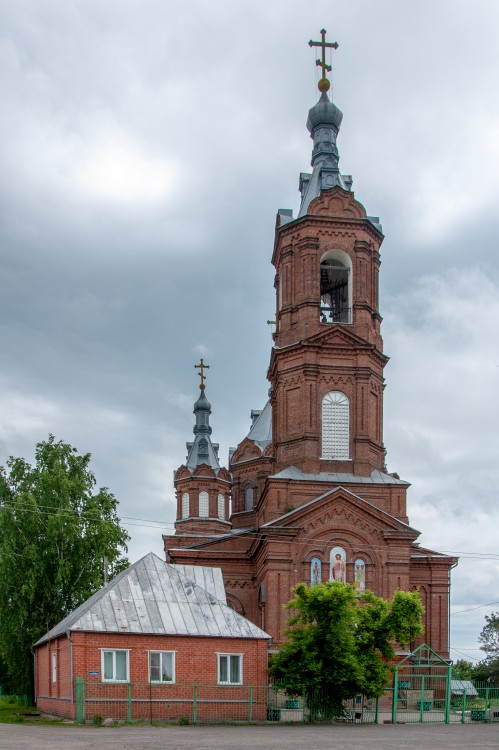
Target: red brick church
x,y
307,496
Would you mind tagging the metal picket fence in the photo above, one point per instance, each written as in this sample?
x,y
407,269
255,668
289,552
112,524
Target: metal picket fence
x,y
203,704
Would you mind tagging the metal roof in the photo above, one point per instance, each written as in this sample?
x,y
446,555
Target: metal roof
x,y
376,477
261,430
458,687
154,597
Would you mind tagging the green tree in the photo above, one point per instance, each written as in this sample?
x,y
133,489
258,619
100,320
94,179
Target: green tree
x,y
463,670
341,644
55,531
488,669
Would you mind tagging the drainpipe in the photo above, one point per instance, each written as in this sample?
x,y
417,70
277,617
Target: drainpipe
x,y
68,636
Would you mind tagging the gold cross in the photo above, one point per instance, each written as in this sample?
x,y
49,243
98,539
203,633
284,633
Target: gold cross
x,y
201,366
323,84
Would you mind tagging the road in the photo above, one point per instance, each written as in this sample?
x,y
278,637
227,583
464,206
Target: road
x,y
311,737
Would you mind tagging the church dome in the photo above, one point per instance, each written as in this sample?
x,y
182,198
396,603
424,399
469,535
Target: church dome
x,y
325,112
202,404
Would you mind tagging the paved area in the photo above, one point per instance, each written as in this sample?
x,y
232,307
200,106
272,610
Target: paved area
x,y
344,737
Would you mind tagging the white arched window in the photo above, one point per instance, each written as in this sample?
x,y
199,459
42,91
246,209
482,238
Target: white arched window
x,y
204,507
185,505
335,426
221,506
248,497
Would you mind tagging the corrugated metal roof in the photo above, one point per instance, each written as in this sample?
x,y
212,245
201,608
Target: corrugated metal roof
x,y
154,597
459,686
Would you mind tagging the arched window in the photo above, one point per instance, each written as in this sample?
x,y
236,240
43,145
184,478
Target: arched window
x,y
336,286
185,505
335,426
359,575
204,505
248,497
221,506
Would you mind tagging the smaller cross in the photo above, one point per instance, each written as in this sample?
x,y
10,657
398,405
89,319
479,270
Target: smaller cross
x,y
323,84
202,367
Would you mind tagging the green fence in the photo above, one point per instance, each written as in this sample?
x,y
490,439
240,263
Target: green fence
x,y
202,704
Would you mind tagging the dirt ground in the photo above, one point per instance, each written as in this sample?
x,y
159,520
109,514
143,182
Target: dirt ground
x,y
301,737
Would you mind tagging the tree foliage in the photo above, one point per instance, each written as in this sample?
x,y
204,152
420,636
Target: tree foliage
x,y
342,643
55,531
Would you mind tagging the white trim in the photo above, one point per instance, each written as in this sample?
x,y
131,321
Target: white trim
x,y
161,652
114,651
54,665
228,681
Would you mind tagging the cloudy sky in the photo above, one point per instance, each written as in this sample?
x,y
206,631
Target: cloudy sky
x,y
145,148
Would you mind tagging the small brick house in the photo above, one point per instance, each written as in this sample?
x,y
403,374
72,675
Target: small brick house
x,y
138,644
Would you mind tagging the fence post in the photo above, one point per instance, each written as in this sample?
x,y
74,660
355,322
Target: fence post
x,y
376,711
487,689
129,703
194,704
251,704
395,695
80,701
463,707
448,695
421,701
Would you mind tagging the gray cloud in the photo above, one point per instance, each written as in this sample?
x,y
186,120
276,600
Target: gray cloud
x,y
144,153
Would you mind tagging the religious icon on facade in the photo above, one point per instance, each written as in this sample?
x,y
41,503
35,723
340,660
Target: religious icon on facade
x,y
315,570
359,575
337,565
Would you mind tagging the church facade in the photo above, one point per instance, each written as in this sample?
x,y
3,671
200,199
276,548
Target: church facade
x,y
307,496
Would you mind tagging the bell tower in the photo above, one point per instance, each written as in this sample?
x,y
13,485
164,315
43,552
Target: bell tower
x,y
326,368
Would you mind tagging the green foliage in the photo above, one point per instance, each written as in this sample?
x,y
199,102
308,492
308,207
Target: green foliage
x,y
341,643
463,670
98,720
183,721
55,530
489,637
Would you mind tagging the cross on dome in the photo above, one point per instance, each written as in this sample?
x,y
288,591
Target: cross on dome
x,y
324,84
202,367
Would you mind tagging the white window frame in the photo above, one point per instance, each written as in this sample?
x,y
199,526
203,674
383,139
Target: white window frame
x,y
54,666
221,506
229,657
161,655
114,651
185,505
204,504
335,427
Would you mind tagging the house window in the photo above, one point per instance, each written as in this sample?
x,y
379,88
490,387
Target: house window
x,y
230,669
115,666
161,666
335,426
185,505
248,497
54,666
221,506
203,505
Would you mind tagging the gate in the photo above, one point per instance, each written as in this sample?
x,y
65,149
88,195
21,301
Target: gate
x,y
422,688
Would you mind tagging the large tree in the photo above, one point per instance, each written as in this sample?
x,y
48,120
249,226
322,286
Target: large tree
x,y
55,531
341,643
488,669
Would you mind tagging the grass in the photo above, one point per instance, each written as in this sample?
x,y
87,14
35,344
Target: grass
x,y
14,711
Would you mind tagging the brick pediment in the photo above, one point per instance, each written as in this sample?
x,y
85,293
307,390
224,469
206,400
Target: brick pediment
x,y
340,508
203,470
246,450
337,203
182,472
